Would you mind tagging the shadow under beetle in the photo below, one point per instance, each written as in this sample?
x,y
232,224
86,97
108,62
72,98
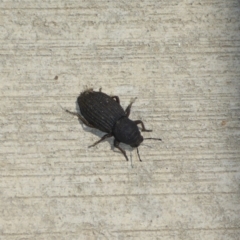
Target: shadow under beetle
x,y
105,113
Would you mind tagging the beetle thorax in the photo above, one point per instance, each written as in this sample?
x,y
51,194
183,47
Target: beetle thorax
x,y
126,131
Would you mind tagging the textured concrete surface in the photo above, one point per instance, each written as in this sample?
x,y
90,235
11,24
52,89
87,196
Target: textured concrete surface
x,y
181,59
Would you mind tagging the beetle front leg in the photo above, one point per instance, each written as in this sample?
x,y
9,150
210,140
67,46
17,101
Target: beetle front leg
x,y
143,127
116,98
81,118
108,135
116,144
128,109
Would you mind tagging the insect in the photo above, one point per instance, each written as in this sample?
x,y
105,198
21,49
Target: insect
x,y
103,112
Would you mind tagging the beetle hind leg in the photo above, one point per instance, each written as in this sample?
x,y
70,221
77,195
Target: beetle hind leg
x,y
116,144
108,135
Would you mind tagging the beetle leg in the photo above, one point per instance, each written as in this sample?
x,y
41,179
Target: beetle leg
x,y
103,138
143,127
81,118
116,98
128,109
116,144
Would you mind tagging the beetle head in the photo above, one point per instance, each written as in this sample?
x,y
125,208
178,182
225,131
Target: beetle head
x,y
138,141
126,131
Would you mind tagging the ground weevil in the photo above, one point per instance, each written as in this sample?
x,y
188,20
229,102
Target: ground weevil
x,y
103,112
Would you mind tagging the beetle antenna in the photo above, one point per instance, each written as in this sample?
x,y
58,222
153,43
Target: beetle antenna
x,y
139,155
159,139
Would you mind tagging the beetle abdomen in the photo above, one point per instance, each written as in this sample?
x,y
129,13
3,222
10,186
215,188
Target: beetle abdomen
x,y
100,110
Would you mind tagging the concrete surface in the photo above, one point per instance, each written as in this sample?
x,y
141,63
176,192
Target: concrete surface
x,y
181,59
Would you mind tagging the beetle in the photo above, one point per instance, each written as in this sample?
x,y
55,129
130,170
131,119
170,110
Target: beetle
x,y
104,112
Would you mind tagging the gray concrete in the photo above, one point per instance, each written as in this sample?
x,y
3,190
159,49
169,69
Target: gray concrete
x,y
181,59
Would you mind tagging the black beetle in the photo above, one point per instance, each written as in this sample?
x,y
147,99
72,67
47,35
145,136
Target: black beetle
x,y
106,114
